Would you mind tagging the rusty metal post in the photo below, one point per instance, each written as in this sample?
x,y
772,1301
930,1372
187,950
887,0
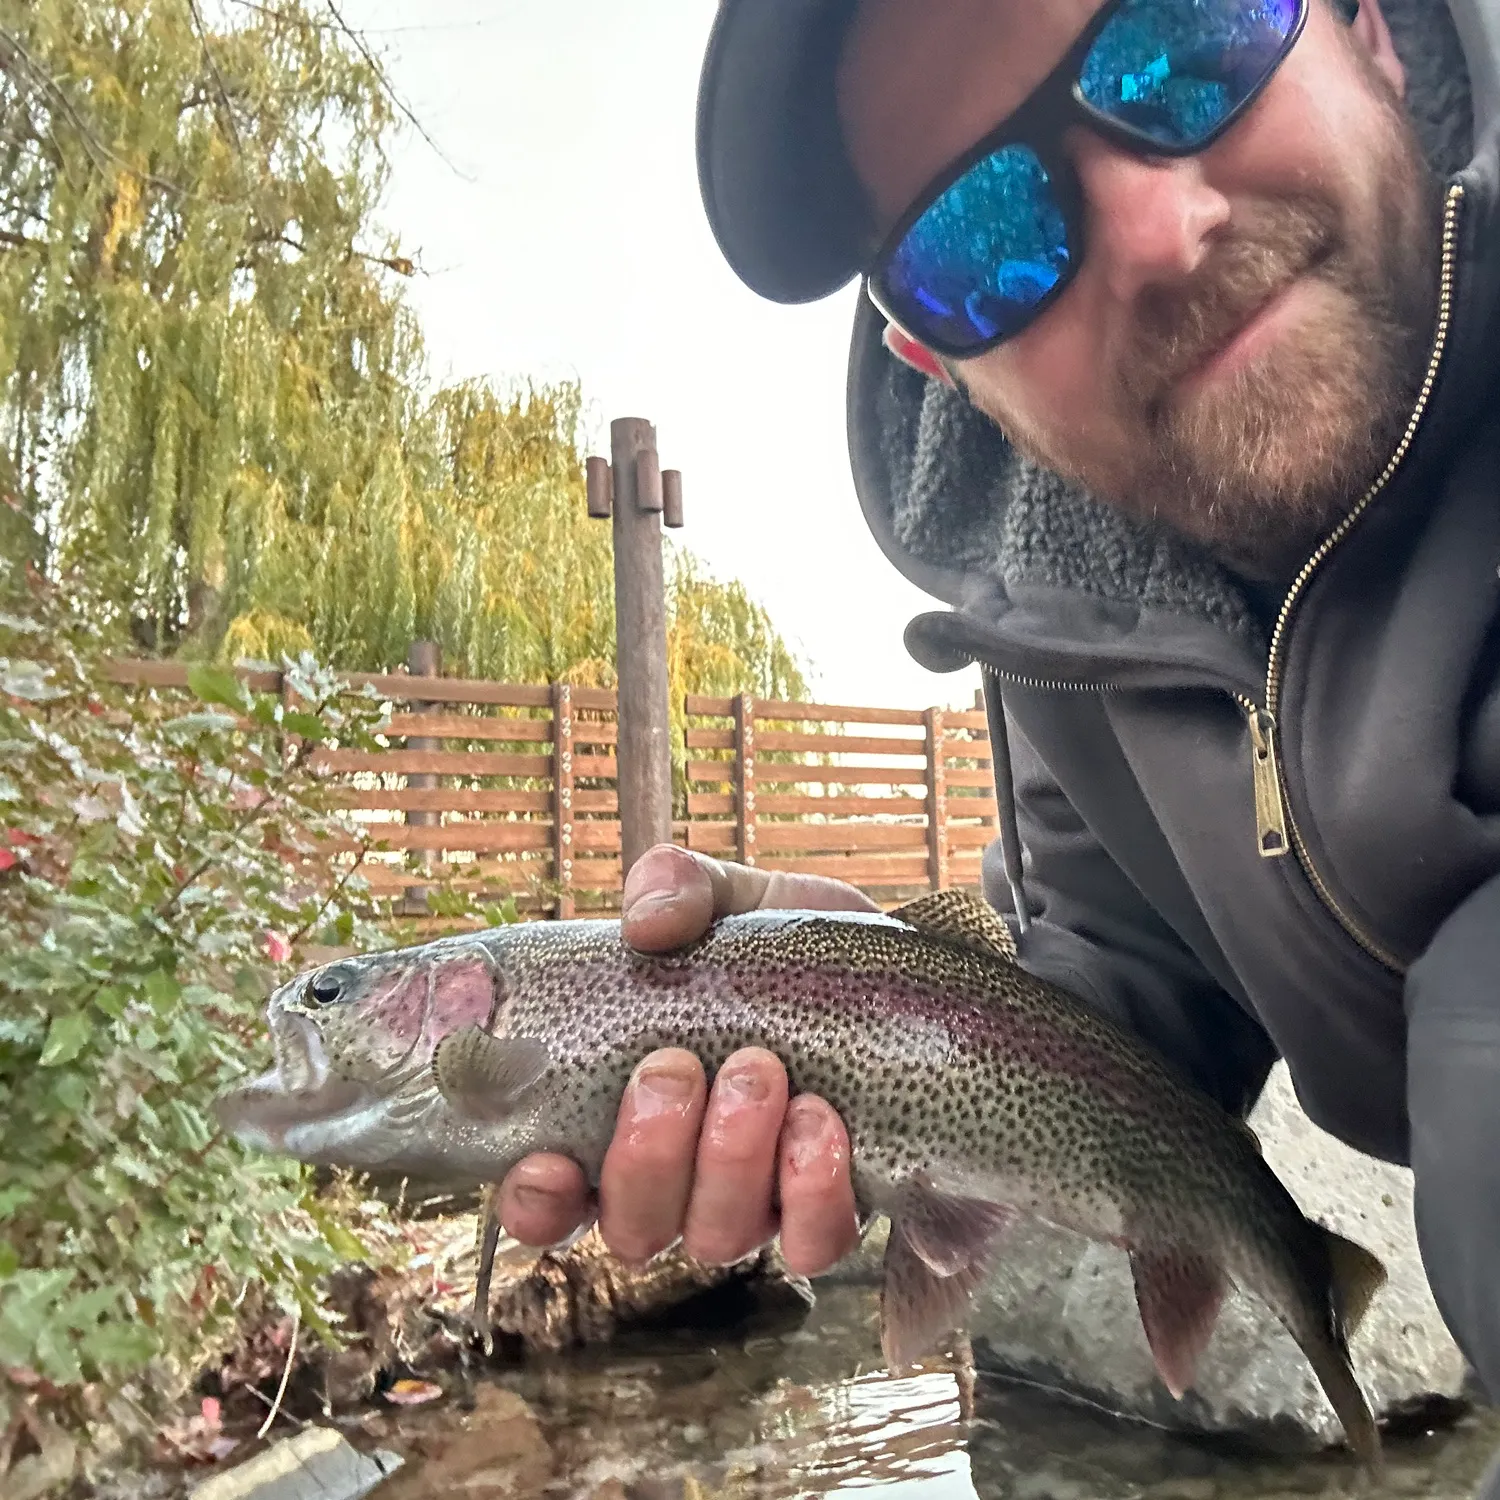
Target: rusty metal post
x,y
636,501
423,659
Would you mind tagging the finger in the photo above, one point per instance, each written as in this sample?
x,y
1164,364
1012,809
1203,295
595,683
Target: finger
x,y
672,894
730,1214
819,1226
543,1200
813,893
648,1169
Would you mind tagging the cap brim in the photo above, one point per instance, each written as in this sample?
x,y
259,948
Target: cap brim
x,y
781,197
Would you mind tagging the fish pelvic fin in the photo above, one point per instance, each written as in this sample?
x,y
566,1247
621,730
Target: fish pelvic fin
x,y
1357,1276
962,919
1179,1293
487,1078
940,1249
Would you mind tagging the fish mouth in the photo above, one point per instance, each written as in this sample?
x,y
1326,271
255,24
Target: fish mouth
x,y
299,1090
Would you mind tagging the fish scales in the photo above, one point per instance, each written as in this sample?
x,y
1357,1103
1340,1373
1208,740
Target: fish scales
x,y
973,1093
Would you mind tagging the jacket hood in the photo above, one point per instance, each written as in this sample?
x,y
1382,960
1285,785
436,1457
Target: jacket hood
x,y
984,530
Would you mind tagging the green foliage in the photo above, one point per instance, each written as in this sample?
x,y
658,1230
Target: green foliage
x,y
145,897
214,400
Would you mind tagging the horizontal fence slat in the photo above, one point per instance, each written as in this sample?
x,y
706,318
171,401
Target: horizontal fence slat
x,y
769,771
468,727
872,869
899,805
436,799
710,739
434,762
595,765
769,711
968,719
174,674
477,837
783,838
964,776
599,801
711,838
836,744
971,835
599,836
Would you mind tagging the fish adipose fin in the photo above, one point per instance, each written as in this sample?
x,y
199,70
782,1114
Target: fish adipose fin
x,y
1179,1295
940,1249
486,1077
963,919
1357,1276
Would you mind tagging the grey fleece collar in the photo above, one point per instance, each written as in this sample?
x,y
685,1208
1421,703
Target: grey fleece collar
x,y
966,517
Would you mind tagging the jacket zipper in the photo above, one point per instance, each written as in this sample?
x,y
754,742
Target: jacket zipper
x,y
1276,829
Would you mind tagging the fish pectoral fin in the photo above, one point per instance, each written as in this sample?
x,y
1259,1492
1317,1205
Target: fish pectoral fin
x,y
950,1234
1357,1276
1179,1294
486,1077
962,919
940,1249
917,1305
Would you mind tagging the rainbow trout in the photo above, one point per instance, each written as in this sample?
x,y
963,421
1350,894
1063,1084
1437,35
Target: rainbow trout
x,y
973,1093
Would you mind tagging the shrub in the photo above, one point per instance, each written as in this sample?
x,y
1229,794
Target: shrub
x,y
157,876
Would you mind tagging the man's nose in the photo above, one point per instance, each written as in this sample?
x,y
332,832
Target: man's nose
x,y
1149,221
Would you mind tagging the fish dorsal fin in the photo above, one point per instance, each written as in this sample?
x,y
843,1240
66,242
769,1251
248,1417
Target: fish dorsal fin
x,y
963,919
1357,1276
486,1077
939,1251
1179,1295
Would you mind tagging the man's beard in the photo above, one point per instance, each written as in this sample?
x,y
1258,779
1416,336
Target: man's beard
x,y
1262,464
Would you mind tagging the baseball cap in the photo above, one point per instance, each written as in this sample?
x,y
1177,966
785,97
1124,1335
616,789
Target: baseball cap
x,y
782,198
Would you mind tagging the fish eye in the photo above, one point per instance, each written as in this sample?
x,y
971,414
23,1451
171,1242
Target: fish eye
x,y
327,986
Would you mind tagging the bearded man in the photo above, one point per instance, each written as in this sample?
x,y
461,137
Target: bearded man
x,y
1178,381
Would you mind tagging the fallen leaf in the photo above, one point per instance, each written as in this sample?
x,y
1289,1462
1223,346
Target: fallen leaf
x,y
414,1392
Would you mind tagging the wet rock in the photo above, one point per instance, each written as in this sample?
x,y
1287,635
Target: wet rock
x,y
1061,1311
495,1452
317,1464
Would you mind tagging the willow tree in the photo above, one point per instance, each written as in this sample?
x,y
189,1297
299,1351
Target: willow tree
x,y
213,396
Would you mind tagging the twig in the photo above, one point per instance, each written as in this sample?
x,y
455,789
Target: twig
x,y
334,894
218,78
385,83
17,61
286,1374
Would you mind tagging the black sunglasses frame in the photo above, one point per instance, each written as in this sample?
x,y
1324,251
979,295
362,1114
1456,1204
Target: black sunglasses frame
x,y
1052,106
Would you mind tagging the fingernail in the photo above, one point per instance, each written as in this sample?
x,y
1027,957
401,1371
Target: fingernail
x,y
664,1085
804,1133
650,902
742,1086
532,1199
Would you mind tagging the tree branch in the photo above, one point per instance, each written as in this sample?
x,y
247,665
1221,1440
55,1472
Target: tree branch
x,y
218,78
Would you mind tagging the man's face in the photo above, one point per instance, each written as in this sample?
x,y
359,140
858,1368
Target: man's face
x,y
1239,350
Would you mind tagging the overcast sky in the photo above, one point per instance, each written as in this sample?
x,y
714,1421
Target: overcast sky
x,y
571,242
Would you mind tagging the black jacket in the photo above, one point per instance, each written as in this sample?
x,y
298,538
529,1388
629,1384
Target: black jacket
x,y
1133,668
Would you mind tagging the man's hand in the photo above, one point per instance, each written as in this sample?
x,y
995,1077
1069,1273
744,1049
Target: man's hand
x,y
706,1165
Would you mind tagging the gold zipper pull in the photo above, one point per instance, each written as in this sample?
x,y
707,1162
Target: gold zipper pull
x,y
1270,815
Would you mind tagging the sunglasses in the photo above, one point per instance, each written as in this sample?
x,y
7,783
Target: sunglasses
x,y
1000,233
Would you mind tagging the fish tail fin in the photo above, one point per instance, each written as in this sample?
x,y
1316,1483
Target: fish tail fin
x,y
1356,1276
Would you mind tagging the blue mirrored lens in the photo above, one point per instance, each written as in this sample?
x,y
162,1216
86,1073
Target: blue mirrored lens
x,y
974,267
1174,70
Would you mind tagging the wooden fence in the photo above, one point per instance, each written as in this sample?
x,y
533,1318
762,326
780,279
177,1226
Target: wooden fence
x,y
500,789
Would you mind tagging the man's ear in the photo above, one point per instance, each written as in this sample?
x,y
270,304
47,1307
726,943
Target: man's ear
x,y
1368,31
918,356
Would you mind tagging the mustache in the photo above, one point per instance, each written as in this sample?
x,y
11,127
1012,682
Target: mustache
x,y
1178,327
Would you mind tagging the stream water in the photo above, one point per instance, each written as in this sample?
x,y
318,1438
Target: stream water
x,y
805,1408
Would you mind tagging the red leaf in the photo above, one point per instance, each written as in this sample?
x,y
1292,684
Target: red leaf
x,y
7,860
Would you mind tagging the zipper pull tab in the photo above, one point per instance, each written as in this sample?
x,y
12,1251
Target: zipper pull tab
x,y
1270,814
